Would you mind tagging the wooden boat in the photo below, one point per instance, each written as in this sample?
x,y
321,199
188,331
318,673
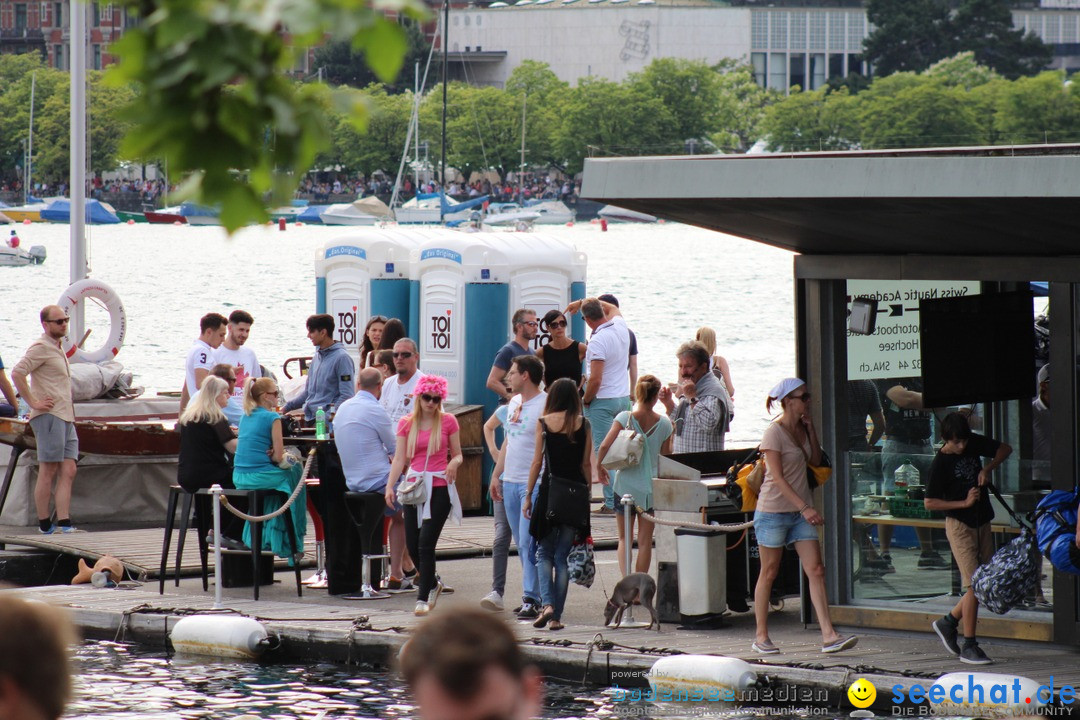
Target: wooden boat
x,y
126,215
126,439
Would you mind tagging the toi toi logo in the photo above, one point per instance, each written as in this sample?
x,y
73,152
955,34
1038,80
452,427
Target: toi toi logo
x,y
440,332
346,324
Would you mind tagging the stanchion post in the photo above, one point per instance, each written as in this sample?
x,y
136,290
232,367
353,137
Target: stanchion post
x,y
215,494
627,500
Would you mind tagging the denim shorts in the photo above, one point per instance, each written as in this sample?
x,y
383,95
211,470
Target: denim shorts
x,y
775,530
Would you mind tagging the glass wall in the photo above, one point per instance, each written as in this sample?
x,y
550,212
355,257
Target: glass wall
x,y
899,552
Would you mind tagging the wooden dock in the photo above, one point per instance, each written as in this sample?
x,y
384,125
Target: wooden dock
x,y
140,550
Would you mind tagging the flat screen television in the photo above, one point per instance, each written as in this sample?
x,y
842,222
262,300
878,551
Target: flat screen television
x,y
977,348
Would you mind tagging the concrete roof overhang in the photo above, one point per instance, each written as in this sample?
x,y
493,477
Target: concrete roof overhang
x,y
986,201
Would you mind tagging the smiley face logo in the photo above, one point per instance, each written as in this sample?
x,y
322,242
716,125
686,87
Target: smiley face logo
x,y
862,693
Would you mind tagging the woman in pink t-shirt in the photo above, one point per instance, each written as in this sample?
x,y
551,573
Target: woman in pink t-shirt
x,y
435,456
785,513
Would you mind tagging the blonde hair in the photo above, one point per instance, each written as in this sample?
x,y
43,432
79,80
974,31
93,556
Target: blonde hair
x,y
203,407
646,390
254,389
707,337
434,437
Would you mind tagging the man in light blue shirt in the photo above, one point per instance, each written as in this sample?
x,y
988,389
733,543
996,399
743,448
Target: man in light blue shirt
x,y
365,443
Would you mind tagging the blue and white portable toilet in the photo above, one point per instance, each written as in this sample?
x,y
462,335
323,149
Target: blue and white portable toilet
x,y
546,273
366,273
464,302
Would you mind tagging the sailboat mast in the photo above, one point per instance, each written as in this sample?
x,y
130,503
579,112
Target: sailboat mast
x,y
521,180
27,192
77,167
445,79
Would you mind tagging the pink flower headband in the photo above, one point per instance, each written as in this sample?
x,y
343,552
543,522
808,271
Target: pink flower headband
x,y
431,385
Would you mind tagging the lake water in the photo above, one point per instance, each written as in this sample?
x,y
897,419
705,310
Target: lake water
x,y
670,279
123,682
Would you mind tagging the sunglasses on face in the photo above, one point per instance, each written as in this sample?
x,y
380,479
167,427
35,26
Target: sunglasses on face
x,y
804,397
557,324
430,398
405,355
530,323
59,321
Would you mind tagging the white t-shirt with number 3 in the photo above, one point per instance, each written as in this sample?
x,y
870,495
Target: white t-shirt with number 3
x,y
200,356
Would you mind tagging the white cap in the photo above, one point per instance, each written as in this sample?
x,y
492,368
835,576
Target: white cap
x,y
784,388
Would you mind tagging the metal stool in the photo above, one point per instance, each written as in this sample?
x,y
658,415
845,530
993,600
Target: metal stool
x,y
180,496
366,511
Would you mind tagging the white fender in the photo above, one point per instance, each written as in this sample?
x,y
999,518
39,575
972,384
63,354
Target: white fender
x,y
89,288
219,635
977,693
703,678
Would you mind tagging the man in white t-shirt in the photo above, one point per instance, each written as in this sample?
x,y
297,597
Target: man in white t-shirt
x,y
397,390
242,359
200,358
607,391
510,478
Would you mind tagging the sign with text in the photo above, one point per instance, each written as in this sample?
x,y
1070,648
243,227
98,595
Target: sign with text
x,y
543,335
893,349
439,319
344,314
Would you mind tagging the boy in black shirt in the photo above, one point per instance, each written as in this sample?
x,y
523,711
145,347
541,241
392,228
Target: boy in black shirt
x,y
957,486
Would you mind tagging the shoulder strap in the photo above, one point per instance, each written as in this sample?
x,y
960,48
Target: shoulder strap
x,y
794,439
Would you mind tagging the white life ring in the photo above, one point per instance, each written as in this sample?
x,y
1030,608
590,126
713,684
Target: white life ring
x,y
89,288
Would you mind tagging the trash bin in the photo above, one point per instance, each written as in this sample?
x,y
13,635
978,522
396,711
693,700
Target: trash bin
x,y
702,559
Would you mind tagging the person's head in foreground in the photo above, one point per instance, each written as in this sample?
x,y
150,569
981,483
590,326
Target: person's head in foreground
x,y
35,677
467,665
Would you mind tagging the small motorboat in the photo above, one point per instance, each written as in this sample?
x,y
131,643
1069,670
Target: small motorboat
x,y
97,213
31,212
509,214
346,214
611,213
17,256
552,212
126,215
200,214
165,216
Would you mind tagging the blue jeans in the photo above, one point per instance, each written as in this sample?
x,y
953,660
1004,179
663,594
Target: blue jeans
x,y
513,496
601,413
551,555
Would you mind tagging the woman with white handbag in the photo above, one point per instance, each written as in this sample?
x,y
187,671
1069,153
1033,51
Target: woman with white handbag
x,y
429,446
632,449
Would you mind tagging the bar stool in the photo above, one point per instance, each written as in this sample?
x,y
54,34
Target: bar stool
x,y
201,501
366,511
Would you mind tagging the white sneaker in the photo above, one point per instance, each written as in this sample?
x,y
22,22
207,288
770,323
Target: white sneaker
x,y
421,608
492,601
433,594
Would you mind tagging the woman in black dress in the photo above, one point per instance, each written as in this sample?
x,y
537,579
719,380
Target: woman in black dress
x,y
569,449
206,444
562,355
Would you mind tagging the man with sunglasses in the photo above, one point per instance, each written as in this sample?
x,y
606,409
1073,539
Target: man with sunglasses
x,y
525,328
52,416
397,390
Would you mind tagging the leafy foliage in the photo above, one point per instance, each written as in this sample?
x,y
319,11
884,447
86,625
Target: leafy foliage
x,y
213,99
342,65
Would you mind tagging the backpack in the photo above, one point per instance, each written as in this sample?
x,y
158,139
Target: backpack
x,y
1055,530
1009,576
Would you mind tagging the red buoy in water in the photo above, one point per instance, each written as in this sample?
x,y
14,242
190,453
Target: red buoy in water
x,y
603,224
281,224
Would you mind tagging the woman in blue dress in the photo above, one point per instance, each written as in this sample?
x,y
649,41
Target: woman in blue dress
x,y
637,480
259,450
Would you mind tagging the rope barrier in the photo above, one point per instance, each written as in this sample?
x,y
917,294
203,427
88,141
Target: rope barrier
x,y
285,506
728,527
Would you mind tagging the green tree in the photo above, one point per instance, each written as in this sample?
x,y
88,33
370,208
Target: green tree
x,y
342,65
16,73
1044,108
741,108
689,89
928,114
378,145
212,97
961,70
540,92
908,34
809,121
536,80
986,27
603,117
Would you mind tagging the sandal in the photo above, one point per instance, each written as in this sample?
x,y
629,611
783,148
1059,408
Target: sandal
x,y
765,648
555,625
545,617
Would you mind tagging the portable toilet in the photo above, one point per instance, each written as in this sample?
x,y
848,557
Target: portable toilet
x,y
366,273
464,310
546,273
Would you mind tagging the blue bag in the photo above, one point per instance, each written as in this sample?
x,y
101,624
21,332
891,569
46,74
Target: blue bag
x,y
1055,530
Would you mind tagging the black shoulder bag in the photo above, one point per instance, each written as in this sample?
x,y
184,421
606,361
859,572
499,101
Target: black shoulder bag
x,y
568,499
